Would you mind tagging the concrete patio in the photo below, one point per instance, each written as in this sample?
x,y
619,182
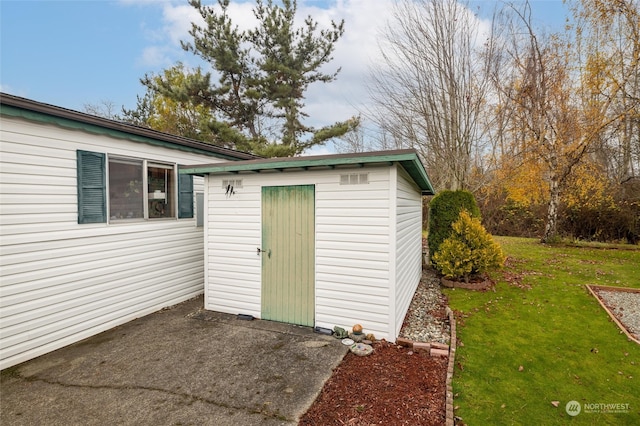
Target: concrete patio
x,y
178,366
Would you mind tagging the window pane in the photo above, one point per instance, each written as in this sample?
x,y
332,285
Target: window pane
x,y
161,181
125,189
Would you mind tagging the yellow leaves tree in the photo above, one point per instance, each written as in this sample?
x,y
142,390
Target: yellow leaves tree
x,y
607,41
168,107
588,186
521,181
561,103
178,117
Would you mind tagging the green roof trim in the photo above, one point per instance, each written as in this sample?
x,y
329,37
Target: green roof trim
x,y
407,158
15,106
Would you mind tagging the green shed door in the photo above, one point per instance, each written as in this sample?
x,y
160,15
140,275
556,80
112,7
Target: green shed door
x,y
288,254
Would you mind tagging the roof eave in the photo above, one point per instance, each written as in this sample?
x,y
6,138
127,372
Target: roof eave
x,y
26,108
408,159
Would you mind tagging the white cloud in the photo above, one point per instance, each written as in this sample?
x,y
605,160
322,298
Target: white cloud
x,y
177,21
146,2
178,18
321,150
355,52
155,57
4,88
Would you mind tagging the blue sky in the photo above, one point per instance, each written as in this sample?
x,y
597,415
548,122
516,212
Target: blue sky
x,y
75,52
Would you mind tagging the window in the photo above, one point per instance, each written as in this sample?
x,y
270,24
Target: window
x,y
130,189
161,191
125,189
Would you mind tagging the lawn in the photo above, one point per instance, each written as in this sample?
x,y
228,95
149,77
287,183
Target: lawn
x,y
542,338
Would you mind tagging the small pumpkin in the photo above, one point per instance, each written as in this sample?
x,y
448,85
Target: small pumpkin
x,y
357,328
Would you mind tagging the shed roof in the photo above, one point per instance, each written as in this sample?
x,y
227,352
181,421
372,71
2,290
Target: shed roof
x,y
407,158
16,106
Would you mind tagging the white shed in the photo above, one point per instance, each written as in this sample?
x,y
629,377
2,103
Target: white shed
x,y
97,228
320,241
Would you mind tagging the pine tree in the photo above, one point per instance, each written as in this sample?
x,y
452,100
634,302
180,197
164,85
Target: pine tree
x,y
262,76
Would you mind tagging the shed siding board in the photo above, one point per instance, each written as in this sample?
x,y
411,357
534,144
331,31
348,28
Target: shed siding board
x,y
62,281
408,243
233,234
391,271
352,244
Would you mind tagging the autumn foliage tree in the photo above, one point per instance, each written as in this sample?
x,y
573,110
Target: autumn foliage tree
x,y
561,107
167,111
607,38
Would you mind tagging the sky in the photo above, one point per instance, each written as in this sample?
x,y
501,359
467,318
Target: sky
x,y
71,53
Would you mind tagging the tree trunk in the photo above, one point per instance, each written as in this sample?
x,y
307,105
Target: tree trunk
x,y
551,227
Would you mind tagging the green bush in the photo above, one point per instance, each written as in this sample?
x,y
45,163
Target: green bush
x,y
501,216
444,209
606,223
468,251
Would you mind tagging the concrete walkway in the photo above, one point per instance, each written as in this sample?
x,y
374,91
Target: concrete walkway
x,y
178,366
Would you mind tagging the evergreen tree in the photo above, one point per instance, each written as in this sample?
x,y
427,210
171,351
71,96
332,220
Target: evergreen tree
x,y
262,76
168,110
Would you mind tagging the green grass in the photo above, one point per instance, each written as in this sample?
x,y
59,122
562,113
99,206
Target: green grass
x,y
542,317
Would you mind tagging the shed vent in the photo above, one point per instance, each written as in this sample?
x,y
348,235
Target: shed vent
x,y
235,183
354,178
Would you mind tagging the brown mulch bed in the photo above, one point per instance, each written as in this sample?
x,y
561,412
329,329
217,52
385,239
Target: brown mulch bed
x,y
392,386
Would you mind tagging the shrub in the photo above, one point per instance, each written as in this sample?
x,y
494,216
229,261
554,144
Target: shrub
x,y
444,210
618,222
468,251
508,217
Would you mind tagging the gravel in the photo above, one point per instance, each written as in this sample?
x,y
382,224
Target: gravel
x,y
426,319
625,305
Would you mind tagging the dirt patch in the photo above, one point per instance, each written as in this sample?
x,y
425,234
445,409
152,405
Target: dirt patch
x,y
394,385
478,284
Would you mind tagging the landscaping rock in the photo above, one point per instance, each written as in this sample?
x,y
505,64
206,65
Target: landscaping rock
x,y
361,349
357,337
426,319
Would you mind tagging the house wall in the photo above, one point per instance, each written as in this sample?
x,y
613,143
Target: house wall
x,y
408,244
61,281
352,246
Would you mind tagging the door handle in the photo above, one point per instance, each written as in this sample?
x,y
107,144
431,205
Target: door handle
x,y
268,251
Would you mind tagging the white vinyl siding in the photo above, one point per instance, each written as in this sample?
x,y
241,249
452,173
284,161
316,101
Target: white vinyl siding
x,y
352,253
62,281
232,236
352,247
408,244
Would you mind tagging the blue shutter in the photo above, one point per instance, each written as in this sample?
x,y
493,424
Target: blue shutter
x,y
185,196
92,202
